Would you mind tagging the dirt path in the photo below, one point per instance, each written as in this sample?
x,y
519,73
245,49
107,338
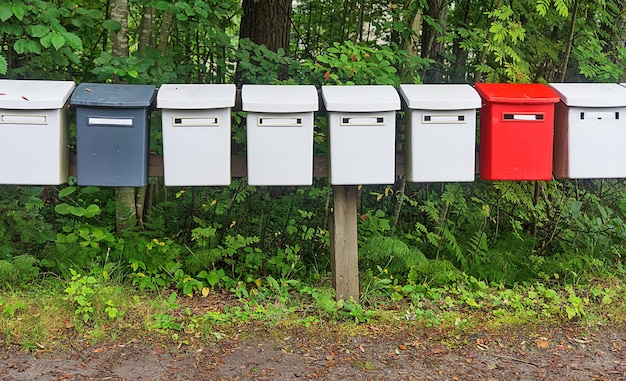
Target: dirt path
x,y
373,354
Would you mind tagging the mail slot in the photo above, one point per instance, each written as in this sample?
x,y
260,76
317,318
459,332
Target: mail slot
x,y
516,131
590,130
112,133
196,133
362,133
195,122
440,132
371,121
95,121
34,132
280,133
442,119
24,119
279,121
524,117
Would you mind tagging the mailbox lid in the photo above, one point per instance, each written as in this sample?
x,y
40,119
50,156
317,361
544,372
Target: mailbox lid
x,y
591,94
31,94
440,97
517,93
279,98
196,96
113,95
361,98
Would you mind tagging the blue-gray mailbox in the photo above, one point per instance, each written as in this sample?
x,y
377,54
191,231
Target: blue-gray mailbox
x,y
112,133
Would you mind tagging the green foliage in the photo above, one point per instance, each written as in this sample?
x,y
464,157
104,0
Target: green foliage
x,y
24,228
3,65
506,33
19,270
348,63
258,64
80,292
559,5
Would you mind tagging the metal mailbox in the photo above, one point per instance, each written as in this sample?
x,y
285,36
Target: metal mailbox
x,y
196,133
516,131
280,133
34,132
112,133
440,132
590,130
362,122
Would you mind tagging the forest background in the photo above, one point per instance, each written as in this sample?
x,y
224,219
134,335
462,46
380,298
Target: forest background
x,y
259,242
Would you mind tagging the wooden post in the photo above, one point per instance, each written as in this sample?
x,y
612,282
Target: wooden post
x,y
344,256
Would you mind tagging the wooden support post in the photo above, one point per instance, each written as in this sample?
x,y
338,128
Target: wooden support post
x,y
344,256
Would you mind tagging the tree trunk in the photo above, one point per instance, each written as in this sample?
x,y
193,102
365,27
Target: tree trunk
x,y
147,28
119,39
431,47
459,72
570,43
267,22
166,28
125,210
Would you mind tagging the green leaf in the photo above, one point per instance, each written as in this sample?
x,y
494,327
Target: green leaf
x,y
3,65
72,40
89,190
19,10
62,208
58,41
112,25
67,191
39,31
6,11
46,41
20,46
162,5
92,210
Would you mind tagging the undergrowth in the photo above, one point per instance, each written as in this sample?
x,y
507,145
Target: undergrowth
x,y
448,255
97,309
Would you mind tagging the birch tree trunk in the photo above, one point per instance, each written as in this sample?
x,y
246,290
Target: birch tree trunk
x,y
125,211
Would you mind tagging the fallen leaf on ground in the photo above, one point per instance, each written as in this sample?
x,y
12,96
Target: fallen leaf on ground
x,y
542,342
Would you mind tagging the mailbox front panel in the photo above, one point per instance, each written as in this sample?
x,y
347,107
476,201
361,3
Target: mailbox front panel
x,y
516,141
33,147
440,145
589,142
196,147
362,148
112,146
280,148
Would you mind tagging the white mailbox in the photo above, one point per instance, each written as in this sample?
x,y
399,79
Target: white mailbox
x,y
196,133
362,122
34,132
590,131
280,133
440,132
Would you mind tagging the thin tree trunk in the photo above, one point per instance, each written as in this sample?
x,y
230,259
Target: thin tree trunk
x,y
119,39
125,210
431,47
570,42
166,29
147,28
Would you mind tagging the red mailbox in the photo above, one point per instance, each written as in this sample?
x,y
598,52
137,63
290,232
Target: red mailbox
x,y
516,131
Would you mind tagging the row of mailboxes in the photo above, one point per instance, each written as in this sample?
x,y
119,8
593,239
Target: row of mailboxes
x,y
523,135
